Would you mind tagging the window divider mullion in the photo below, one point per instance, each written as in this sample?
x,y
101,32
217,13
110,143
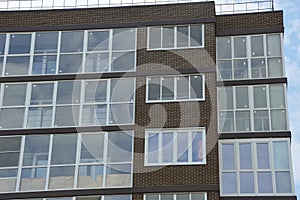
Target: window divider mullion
x,y
58,52
5,53
19,173
175,145
49,162
31,53
54,94
82,90
77,161
27,102
105,148
272,165
160,147
255,166
237,156
108,100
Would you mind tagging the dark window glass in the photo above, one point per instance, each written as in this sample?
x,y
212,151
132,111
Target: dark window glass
x,y
70,63
196,35
72,41
44,65
154,37
39,117
119,147
12,117
182,36
2,43
46,42
123,61
14,94
154,89
196,89
19,44
121,114
64,149
122,90
42,93
97,62
168,37
17,65
98,40
123,39
95,91
68,92
67,116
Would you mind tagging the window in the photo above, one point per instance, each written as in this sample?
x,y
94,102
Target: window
x,y
89,160
255,167
175,147
177,196
252,108
252,56
175,88
176,37
65,52
98,197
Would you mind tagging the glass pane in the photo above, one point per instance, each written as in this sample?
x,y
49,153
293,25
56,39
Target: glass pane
x,y
42,93
260,96
90,176
240,69
225,95
198,196
283,182
153,88
14,94
152,196
61,177
64,149
168,88
242,121
228,158
10,144
12,117
36,150
278,119
10,159
229,183
182,147
167,148
98,40
247,182
257,46
281,155
123,61
240,47
118,175
68,92
168,37
8,179
39,117
153,148
261,120
196,87
154,37
46,42
166,197
2,43
119,147
274,45
66,116
242,98
44,65
264,180
196,35
197,147
17,65
9,151
95,91
224,48
94,115
121,113
182,36
92,147
245,156
70,63
97,62
258,68
120,197
277,97
263,161
123,39
182,87
225,69
122,90
275,67
33,179
19,44
72,41
1,63
226,123
182,197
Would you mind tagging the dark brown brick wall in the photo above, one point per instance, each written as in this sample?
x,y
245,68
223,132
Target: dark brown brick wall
x,y
249,22
107,15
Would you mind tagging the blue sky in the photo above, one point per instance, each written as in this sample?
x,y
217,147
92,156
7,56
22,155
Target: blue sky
x,y
292,65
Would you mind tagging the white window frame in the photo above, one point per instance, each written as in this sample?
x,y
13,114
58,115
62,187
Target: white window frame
x,y
175,157
237,170
175,195
251,108
175,88
175,38
249,56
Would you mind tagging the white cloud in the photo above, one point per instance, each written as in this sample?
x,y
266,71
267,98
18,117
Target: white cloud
x,y
296,162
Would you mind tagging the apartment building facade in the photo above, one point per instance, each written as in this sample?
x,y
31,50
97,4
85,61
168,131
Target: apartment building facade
x,y
153,102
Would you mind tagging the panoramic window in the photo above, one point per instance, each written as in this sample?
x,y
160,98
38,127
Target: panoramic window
x,y
68,52
176,37
244,57
259,166
176,88
177,196
175,147
252,108
59,103
49,161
